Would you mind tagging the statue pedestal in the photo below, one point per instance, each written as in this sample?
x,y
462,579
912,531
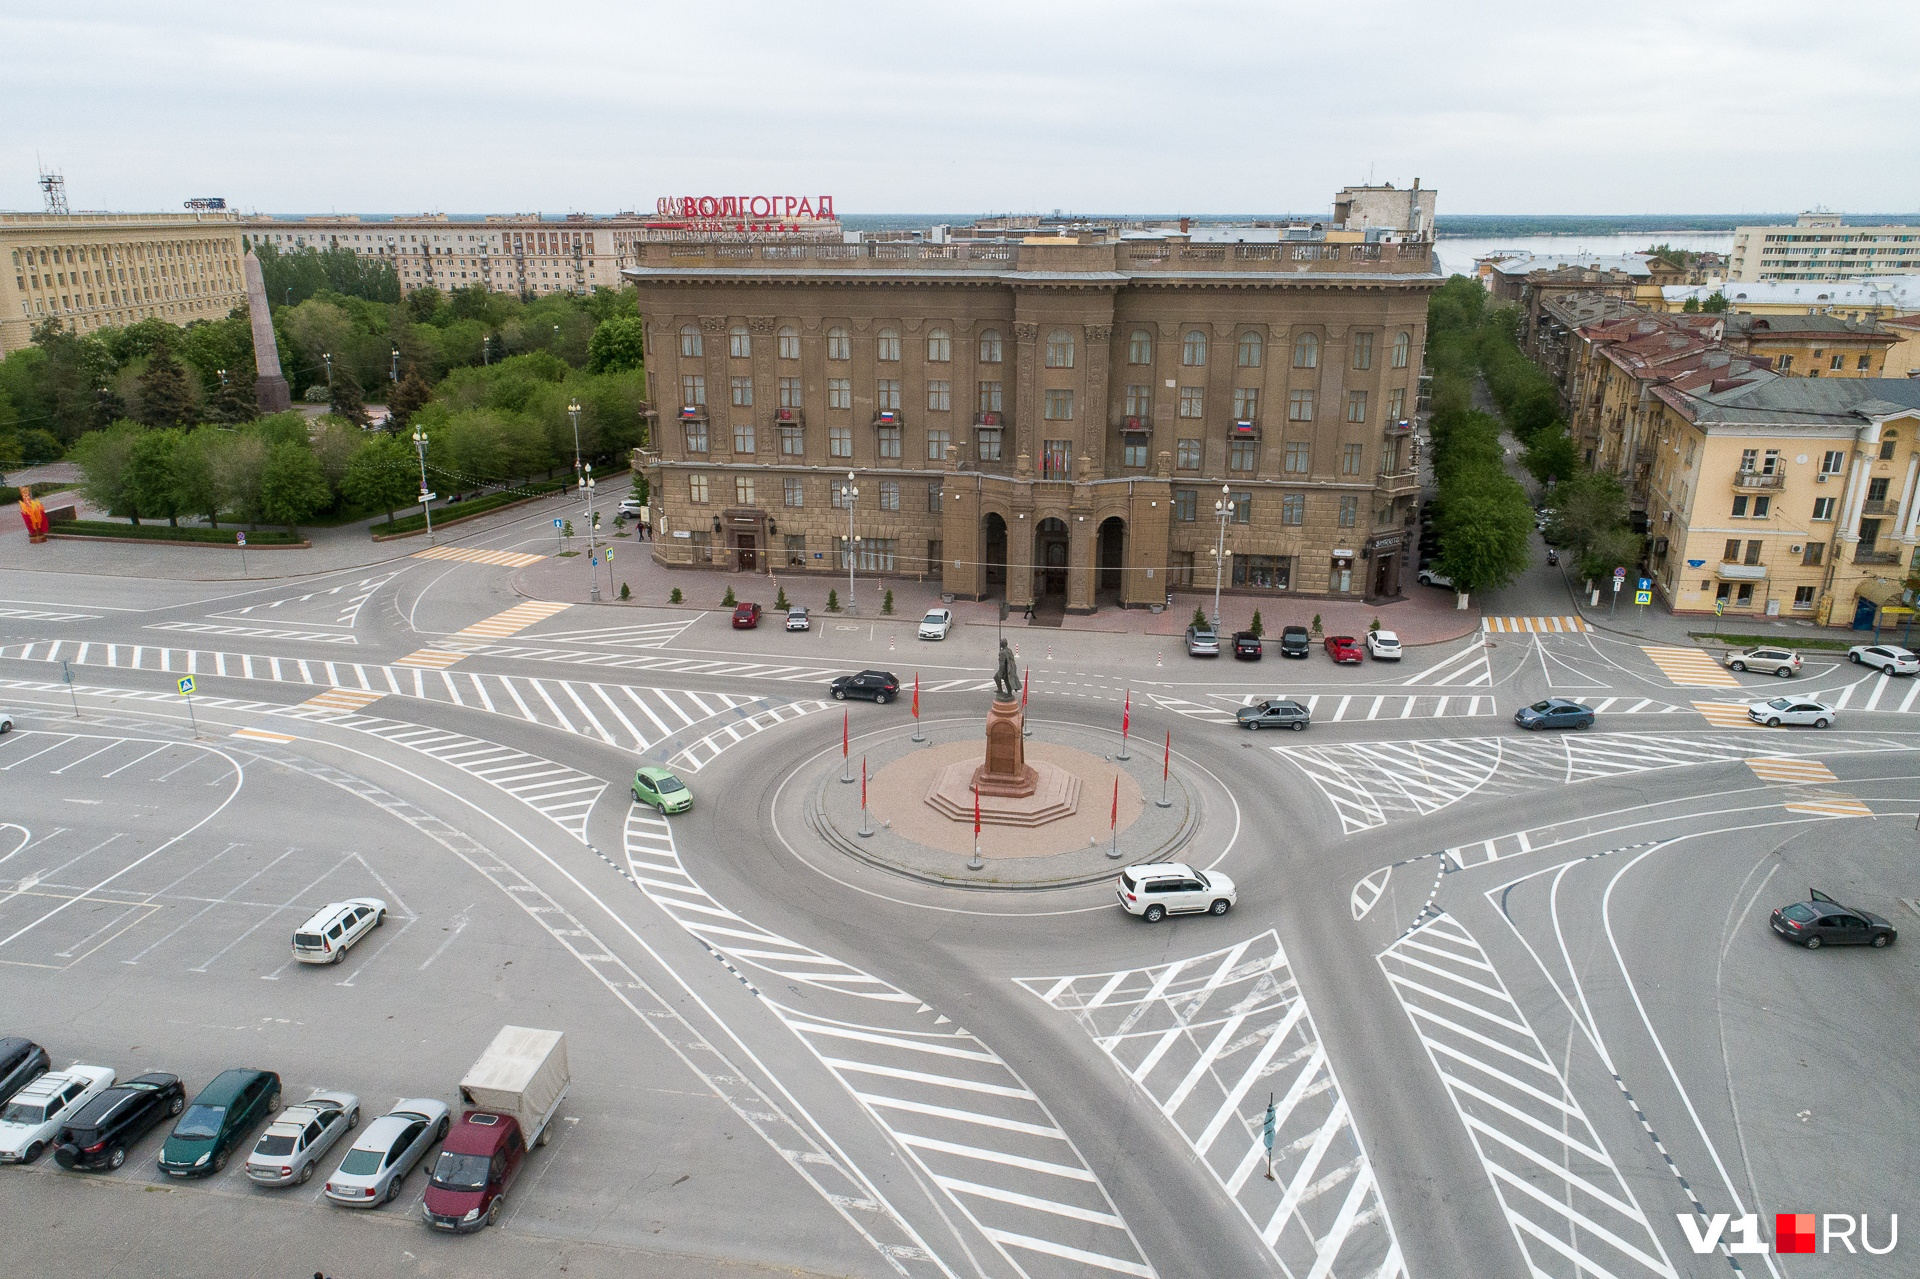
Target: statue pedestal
x,y
1005,772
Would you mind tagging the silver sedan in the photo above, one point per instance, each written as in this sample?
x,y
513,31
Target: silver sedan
x,y
293,1143
387,1151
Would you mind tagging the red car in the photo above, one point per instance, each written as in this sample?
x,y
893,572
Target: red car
x,y
1343,648
482,1156
746,617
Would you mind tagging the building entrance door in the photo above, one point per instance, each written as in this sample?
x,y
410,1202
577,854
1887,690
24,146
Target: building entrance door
x,y
1050,554
746,552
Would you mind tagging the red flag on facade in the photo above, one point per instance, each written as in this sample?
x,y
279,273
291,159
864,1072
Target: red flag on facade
x,y
1114,824
1025,677
916,694
976,810
1166,766
845,733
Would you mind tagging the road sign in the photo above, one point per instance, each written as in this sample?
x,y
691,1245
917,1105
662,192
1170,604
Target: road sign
x,y
609,555
1619,573
1646,583
186,685
1719,608
593,560
1643,597
240,539
1618,582
558,522
426,497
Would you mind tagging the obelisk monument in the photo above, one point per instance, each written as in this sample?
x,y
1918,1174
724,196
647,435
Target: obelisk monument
x,y
269,387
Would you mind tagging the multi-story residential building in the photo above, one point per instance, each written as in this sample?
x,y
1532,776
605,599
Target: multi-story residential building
x,y
1812,345
1778,496
92,270
1077,418
1882,297
1903,360
1818,247
524,254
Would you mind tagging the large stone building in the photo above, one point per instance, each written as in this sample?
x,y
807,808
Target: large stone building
x,y
526,254
1055,418
92,270
1818,247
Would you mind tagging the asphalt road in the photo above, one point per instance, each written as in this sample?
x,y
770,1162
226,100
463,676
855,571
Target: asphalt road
x,y
1512,996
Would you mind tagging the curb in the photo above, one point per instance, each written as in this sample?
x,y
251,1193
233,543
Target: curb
x,y
302,545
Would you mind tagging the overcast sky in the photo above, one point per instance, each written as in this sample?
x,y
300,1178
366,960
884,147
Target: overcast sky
x,y
1620,107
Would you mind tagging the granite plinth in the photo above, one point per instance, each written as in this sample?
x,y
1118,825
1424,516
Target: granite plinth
x,y
1049,794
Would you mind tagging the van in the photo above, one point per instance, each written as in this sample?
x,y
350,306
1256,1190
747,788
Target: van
x,y
324,938
479,1160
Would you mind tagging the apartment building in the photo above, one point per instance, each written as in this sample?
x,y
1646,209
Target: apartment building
x,y
1880,298
92,270
1785,497
524,254
1069,419
1818,247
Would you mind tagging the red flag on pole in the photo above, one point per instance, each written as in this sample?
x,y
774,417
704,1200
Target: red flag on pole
x,y
1025,677
863,781
976,810
845,734
1114,824
1166,766
1126,718
916,694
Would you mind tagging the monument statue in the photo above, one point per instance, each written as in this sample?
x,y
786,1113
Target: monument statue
x,y
1006,680
270,390
33,515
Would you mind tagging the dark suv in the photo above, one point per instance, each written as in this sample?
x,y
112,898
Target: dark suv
x,y
99,1133
881,686
1295,642
21,1062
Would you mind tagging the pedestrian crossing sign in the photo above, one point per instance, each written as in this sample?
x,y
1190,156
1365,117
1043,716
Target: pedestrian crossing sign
x,y
186,685
1643,597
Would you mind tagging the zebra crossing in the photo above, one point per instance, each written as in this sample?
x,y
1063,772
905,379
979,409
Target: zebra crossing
x,y
710,667
512,621
1689,667
1534,625
41,615
1571,1212
477,555
707,749
1808,772
1467,668
645,635
953,1106
1214,1039
342,699
1872,693
256,632
1335,708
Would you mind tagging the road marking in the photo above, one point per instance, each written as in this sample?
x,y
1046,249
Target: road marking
x,y
256,632
1541,625
1366,892
1546,1163
475,555
437,659
1832,806
645,635
1726,714
341,699
1466,668
1689,667
1790,770
262,735
1331,709
707,749
1209,1040
34,615
513,621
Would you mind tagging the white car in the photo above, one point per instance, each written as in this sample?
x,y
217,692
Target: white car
x,y
1434,577
299,1135
936,624
6,722
1154,890
1383,646
1790,710
797,620
632,507
32,1117
387,1151
324,939
1889,658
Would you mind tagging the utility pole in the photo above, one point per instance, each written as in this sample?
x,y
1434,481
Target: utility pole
x,y
573,412
420,447
849,495
328,357
593,575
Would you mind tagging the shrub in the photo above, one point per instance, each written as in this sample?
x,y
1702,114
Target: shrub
x,y
728,600
1257,628
675,597
1199,617
1374,625
833,601
1316,623
625,594
780,600
886,605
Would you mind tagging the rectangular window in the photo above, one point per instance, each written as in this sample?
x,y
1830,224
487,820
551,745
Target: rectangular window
x,y
1865,363
696,437
988,442
1823,508
1242,454
790,393
1356,406
837,495
743,490
871,554
1056,460
1739,508
1193,401
889,495
889,438
1761,505
1832,461
702,547
1299,457
1133,454
1293,509
1402,351
886,393
934,491
1837,363
1749,460
1263,572
1813,554
789,345
1139,401
1803,597
937,442
1242,507
693,389
793,491
1349,511
697,489
1753,551
743,437
1186,504
839,344
1887,447
1059,406
1397,404
1786,364
1352,458
793,441
939,396
742,392
989,397
689,343
1363,350
1731,555
796,550
1246,403
840,441
839,393
1187,455
1300,406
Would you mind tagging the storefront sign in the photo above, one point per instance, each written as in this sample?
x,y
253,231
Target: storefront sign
x,y
1342,555
1387,544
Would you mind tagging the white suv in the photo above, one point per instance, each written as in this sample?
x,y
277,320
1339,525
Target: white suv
x,y
1383,646
324,939
1889,659
1154,890
32,1117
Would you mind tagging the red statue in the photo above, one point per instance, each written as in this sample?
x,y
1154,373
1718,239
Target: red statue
x,y
34,515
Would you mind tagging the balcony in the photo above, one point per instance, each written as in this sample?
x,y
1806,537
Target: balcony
x,y
789,417
1880,508
994,421
888,419
1866,555
1397,483
1742,572
1397,429
1757,481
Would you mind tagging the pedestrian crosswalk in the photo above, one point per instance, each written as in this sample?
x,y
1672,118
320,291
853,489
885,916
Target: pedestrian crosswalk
x,y
475,555
432,659
1334,708
1790,770
1213,1041
703,752
342,699
1571,1212
1808,772
257,632
955,1109
707,667
1537,625
41,615
563,795
1726,714
1829,806
1874,693
513,621
1689,667
644,635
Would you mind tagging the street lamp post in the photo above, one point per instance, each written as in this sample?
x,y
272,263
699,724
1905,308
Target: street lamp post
x,y
593,577
573,411
426,499
1224,509
393,373
849,495
328,357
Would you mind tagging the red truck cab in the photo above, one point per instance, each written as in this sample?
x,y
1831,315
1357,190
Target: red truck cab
x,y
478,1161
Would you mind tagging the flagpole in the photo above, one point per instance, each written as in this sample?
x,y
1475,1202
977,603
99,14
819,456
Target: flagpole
x,y
1113,848
1026,677
1266,1135
846,743
866,830
1166,767
918,736
1126,719
976,863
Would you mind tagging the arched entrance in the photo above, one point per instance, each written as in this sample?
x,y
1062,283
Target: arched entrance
x,y
993,554
1110,557
1050,554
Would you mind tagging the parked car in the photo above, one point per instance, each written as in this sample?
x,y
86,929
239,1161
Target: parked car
x,y
936,624
516,1087
21,1061
1246,646
294,1142
632,507
326,937
1275,712
1781,661
658,788
386,1152
1154,890
6,721
1888,658
1383,646
1791,710
881,686
797,620
98,1134
218,1120
1203,641
1343,649
1822,921
33,1116
1295,641
1542,518
1555,712
1433,577
746,617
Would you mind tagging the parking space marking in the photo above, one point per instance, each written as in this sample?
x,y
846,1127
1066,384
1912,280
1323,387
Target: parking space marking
x,y
1689,667
1563,1196
1213,1040
288,904
475,555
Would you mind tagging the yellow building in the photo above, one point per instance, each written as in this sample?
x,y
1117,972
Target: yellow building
x,y
1813,345
1870,299
1903,359
524,254
1784,497
92,270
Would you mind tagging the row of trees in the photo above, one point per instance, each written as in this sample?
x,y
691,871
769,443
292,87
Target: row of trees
x,y
268,471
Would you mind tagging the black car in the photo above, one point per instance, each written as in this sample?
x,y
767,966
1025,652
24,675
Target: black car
x,y
881,686
99,1133
1246,646
21,1062
1821,921
1295,642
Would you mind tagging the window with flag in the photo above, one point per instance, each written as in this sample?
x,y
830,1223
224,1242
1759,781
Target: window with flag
x,y
1056,460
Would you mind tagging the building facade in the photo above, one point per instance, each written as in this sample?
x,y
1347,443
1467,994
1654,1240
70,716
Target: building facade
x,y
1880,298
527,255
1048,419
1818,247
94,270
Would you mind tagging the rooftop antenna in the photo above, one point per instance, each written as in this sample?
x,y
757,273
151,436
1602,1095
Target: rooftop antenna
x,y
53,189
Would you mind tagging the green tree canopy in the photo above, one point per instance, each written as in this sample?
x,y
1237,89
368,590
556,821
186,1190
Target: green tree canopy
x,y
381,475
104,459
150,478
617,345
166,397
345,402
292,488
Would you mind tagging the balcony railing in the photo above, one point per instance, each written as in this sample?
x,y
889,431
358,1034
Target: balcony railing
x,y
1743,572
1866,556
1169,256
1405,480
1758,479
1880,508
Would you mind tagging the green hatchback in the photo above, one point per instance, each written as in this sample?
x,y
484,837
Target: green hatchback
x,y
658,788
219,1120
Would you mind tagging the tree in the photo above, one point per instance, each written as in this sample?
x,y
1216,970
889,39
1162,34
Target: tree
x,y
196,487
617,345
1715,304
408,398
1551,455
1485,533
1692,306
150,480
421,304
238,461
166,397
104,458
346,401
291,486
381,476
233,399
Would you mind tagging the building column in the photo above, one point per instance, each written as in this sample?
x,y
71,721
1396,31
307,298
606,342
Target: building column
x,y
1856,497
766,392
1081,541
1026,393
1020,536
1909,517
962,534
1094,431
